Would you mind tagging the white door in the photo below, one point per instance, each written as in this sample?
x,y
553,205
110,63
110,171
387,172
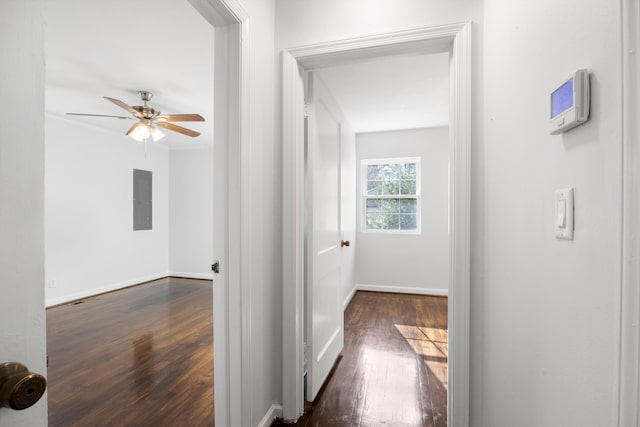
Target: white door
x,y
22,315
324,314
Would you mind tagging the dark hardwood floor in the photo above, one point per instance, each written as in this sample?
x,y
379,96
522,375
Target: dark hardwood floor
x,y
393,370
142,356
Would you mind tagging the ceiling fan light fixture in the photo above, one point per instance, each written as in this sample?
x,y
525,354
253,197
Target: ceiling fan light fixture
x,y
156,134
142,131
139,132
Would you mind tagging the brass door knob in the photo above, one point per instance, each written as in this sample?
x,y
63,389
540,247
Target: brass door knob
x,y
19,388
344,243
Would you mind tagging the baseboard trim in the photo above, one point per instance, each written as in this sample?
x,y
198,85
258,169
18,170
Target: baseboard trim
x,y
401,290
103,290
349,297
275,411
184,275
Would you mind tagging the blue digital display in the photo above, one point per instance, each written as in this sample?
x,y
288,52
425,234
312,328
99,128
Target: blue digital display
x,y
562,98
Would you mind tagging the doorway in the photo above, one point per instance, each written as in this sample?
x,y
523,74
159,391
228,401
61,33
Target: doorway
x,y
389,117
395,171
228,21
456,40
90,246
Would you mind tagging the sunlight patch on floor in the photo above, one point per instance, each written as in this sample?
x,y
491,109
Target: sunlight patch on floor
x,y
390,393
432,344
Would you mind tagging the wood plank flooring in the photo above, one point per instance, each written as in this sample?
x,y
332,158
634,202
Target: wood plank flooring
x,y
393,370
142,356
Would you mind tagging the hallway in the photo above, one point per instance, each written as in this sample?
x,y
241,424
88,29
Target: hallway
x,y
393,369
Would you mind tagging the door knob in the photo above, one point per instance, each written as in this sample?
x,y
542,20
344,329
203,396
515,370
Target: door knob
x,y
19,388
344,243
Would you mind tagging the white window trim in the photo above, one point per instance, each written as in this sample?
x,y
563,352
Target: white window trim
x,y
363,193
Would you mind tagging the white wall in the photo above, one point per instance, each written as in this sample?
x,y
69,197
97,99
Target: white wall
x,y
263,226
551,307
415,263
544,313
90,244
191,213
22,317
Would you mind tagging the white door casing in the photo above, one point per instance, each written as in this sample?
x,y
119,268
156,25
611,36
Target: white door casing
x,y
231,305
453,38
629,374
324,316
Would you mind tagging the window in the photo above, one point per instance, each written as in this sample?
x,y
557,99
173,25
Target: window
x,y
142,203
391,195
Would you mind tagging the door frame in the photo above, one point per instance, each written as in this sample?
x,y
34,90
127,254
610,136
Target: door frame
x,y
456,39
629,345
231,303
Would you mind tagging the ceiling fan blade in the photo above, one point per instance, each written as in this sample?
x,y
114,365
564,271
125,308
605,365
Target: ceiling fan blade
x,y
178,129
99,115
180,118
123,105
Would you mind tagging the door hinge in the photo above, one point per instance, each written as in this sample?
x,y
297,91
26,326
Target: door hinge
x,y
215,267
306,110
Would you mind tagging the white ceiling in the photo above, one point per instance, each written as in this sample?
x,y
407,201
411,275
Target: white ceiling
x,y
392,93
115,48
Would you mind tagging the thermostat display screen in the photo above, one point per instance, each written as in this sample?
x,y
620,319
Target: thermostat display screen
x,y
562,98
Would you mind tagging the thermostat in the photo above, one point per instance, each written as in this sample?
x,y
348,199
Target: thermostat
x,y
570,103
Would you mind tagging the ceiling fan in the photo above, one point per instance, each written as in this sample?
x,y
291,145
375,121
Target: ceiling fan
x,y
149,119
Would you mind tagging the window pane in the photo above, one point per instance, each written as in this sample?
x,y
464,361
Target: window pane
x,y
373,222
373,172
373,206
374,188
391,188
408,171
398,169
408,187
383,221
386,172
408,205
392,221
382,206
408,221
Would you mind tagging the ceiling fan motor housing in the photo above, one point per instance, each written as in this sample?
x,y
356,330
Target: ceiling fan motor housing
x,y
145,95
146,111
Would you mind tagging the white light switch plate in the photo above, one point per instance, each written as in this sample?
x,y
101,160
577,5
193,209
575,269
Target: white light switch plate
x,y
563,219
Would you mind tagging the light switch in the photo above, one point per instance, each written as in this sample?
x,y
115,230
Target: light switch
x,y
564,213
561,216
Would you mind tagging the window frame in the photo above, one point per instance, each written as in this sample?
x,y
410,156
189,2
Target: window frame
x,y
364,164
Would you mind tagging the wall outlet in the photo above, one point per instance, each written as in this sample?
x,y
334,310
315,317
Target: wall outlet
x,y
52,284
